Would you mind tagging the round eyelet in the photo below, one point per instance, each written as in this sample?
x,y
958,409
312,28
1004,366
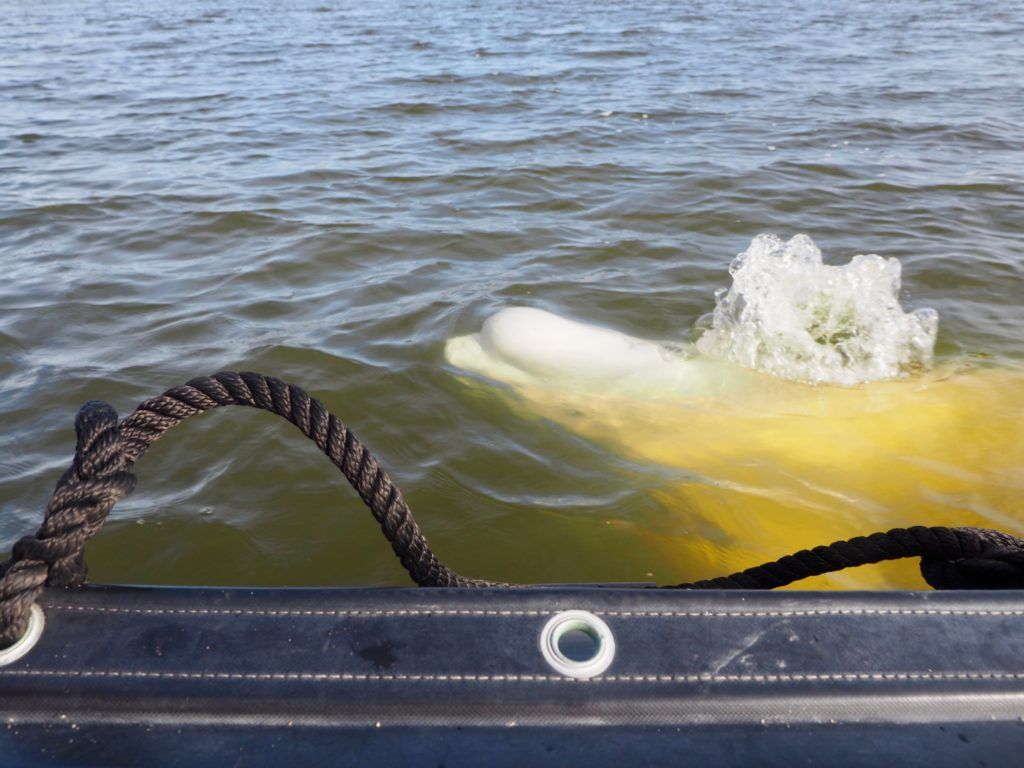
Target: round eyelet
x,y
577,644
24,644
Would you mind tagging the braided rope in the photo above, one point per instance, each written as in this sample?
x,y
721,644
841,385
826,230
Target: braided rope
x,y
951,558
106,451
101,474
98,476
154,417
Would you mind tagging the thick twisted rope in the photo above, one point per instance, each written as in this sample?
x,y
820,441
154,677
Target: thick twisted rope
x,y
154,417
951,558
98,476
101,474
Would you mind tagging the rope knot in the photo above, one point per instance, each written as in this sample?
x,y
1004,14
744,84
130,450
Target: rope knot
x,y
993,560
99,475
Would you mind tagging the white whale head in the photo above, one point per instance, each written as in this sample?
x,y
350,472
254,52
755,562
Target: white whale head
x,y
526,346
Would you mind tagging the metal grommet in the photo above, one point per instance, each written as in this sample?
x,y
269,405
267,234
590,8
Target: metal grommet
x,y
598,657
24,644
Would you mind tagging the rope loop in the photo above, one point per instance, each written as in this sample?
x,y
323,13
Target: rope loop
x,y
101,473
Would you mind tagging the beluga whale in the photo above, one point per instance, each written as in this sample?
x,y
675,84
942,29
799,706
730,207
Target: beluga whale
x,y
811,408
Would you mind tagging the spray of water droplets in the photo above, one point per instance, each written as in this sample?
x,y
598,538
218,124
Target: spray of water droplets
x,y
789,314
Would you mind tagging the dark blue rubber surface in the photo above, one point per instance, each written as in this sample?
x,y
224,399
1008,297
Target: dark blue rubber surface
x,y
167,676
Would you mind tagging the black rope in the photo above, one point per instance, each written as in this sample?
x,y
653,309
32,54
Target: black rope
x,y
106,451
951,558
101,474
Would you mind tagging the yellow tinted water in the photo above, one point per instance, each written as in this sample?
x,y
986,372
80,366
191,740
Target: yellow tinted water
x,y
778,466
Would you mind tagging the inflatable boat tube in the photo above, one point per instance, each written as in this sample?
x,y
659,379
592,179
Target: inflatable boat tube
x,y
214,677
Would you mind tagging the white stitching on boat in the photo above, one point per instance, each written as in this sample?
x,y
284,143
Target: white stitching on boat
x,y
502,678
483,612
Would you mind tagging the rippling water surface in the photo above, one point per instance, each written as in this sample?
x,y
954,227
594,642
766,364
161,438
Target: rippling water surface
x,y
329,192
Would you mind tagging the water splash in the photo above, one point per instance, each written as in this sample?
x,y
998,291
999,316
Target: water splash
x,y
790,315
